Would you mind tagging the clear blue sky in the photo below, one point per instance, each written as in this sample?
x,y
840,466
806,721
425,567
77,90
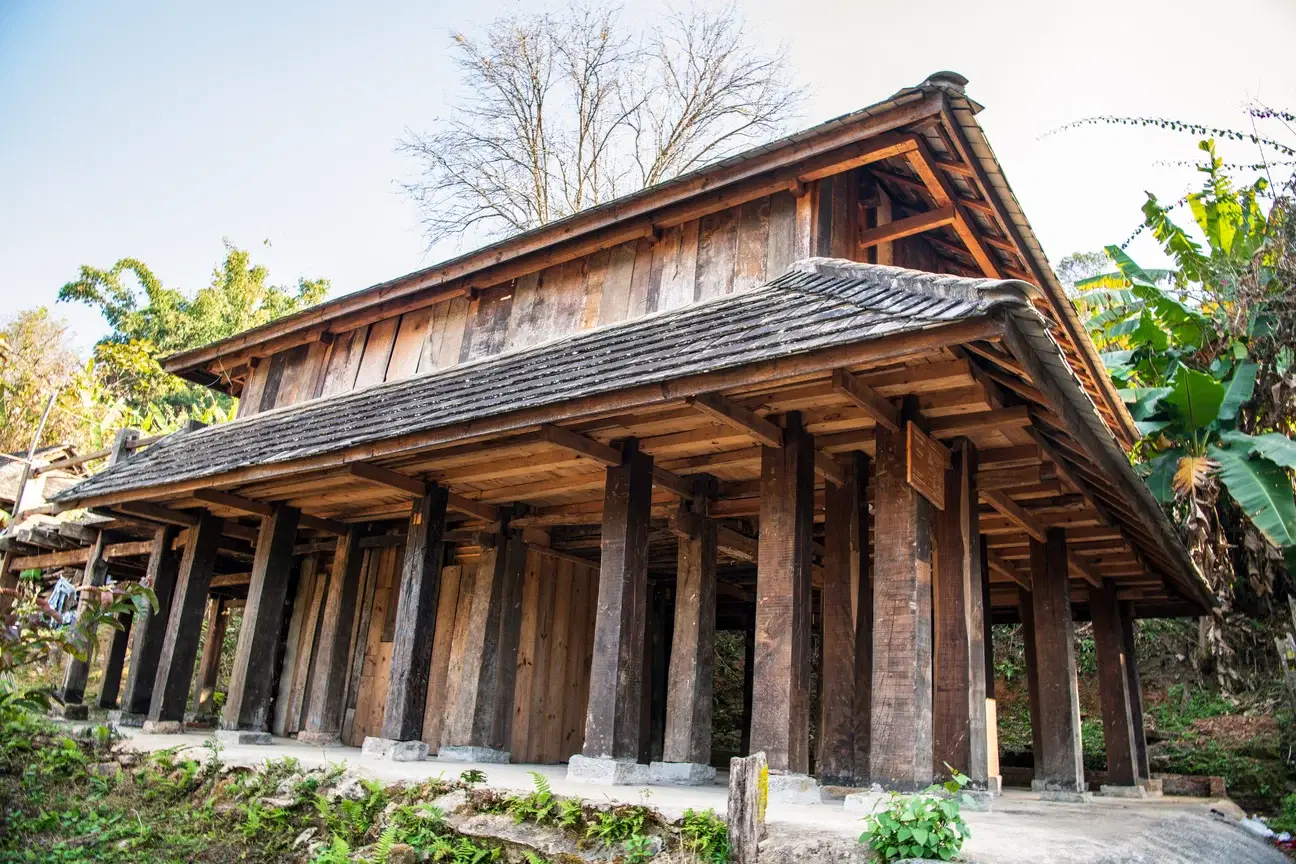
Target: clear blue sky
x,y
155,130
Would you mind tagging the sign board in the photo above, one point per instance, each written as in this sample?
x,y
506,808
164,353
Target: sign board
x,y
926,460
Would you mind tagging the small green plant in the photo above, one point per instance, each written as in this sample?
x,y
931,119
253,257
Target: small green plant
x,y
617,825
473,777
637,849
540,806
337,852
924,825
705,836
570,814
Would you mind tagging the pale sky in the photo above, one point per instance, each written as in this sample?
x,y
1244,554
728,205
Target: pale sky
x,y
154,131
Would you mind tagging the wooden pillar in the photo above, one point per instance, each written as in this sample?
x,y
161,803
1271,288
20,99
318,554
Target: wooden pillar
x,y
959,707
411,662
749,685
184,624
1059,766
1113,686
112,676
995,779
150,630
900,749
209,662
323,723
77,671
247,705
692,659
847,600
613,713
475,727
1135,691
780,692
1026,609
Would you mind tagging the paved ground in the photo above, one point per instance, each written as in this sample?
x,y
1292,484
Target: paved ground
x,y
1019,830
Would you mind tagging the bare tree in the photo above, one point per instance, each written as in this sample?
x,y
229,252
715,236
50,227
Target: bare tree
x,y
563,111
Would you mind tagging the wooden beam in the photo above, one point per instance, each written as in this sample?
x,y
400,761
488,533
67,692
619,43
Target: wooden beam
x,y
72,557
1015,513
609,456
999,565
234,502
325,526
867,399
826,467
922,161
387,477
1081,568
736,545
908,226
732,414
461,504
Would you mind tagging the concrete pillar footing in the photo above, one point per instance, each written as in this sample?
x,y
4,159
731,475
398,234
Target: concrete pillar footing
x,y
607,772
242,736
681,774
320,739
793,789
471,753
127,718
1058,794
163,727
75,711
395,751
1122,791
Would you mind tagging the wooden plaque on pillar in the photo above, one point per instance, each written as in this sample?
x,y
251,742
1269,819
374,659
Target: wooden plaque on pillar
x,y
926,461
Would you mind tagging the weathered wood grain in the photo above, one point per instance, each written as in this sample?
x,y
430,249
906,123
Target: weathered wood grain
x,y
324,712
1058,763
150,630
748,797
209,663
1135,690
377,352
110,683
692,658
1113,686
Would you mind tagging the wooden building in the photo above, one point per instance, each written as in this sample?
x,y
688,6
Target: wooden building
x,y
828,388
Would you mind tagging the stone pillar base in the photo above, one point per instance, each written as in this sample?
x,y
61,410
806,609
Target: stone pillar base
x,y
127,718
994,784
75,711
607,772
242,736
793,789
470,753
395,751
320,739
163,727
1060,794
1122,791
864,801
976,799
681,774
1154,788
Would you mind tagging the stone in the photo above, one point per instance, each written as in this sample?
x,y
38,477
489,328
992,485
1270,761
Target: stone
x,y
304,838
1155,788
980,800
320,739
862,802
468,753
994,784
76,711
402,853
105,769
281,802
607,772
163,727
681,774
451,801
793,789
395,751
242,736
377,747
350,789
1122,791
1063,796
127,718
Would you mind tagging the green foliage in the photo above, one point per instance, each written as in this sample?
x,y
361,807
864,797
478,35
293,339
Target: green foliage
x,y
1285,819
922,825
571,816
637,848
337,852
540,806
617,824
473,777
1181,708
704,835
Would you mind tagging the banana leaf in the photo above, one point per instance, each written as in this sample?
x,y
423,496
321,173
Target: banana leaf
x,y
1239,390
1274,446
1160,478
1263,491
1194,398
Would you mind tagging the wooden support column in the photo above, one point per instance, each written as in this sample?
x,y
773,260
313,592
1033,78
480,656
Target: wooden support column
x,y
846,599
209,662
150,630
994,778
247,705
781,686
1113,686
613,713
1026,609
1135,691
749,684
692,659
900,749
112,676
184,625
959,707
77,671
323,723
1059,766
411,662
479,710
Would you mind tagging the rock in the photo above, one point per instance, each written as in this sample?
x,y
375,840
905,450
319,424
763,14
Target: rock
x,y
1228,811
451,802
349,789
105,769
303,838
402,853
282,803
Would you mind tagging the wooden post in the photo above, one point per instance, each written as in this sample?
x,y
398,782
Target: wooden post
x,y
151,628
112,676
613,713
847,600
1135,691
780,693
184,625
959,708
209,662
474,730
900,749
77,671
692,659
1113,686
323,723
1059,766
247,705
1026,609
416,620
748,797
749,682
993,777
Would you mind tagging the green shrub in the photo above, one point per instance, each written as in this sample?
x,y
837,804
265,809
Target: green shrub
x,y
705,836
924,825
540,806
617,825
637,849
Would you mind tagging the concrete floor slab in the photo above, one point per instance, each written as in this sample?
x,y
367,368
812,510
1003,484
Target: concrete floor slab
x,y
1020,829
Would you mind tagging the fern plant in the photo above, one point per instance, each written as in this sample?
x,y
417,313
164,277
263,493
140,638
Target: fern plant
x,y
705,836
540,806
337,852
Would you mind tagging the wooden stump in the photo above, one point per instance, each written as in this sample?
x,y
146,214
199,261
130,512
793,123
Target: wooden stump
x,y
748,795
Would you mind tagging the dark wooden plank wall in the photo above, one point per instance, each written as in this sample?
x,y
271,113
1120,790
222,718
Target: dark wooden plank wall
x,y
725,252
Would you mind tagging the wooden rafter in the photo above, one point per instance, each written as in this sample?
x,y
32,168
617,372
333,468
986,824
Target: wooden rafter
x,y
867,399
999,565
924,165
606,455
263,508
415,487
908,226
732,414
